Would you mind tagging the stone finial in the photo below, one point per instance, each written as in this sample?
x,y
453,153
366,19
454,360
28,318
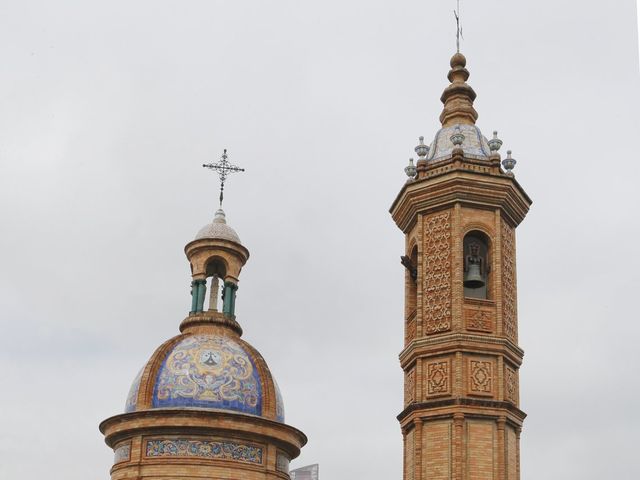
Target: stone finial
x,y
509,163
410,169
495,143
459,96
421,149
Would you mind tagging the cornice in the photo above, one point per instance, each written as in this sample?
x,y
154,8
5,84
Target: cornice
x,y
476,183
455,342
447,407
196,421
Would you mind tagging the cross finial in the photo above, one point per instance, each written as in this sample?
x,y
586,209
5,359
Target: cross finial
x,y
456,13
224,168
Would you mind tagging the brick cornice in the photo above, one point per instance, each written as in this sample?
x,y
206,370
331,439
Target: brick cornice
x,y
448,407
202,422
456,180
457,342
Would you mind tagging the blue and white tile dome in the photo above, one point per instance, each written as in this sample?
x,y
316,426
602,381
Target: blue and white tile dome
x,y
475,145
206,371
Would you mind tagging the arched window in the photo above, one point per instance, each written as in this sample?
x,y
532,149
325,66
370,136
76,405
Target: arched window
x,y
216,270
477,267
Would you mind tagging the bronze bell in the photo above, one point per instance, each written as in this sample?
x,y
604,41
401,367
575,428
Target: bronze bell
x,y
473,277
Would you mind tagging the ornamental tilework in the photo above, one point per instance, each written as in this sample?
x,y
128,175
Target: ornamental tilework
x,y
122,453
209,371
279,403
213,449
132,398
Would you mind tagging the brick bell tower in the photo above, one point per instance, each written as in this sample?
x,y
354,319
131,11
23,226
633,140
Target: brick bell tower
x,y
459,210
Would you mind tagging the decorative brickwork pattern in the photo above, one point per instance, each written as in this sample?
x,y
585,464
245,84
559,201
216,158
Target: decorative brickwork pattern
x,y
480,377
509,304
410,328
437,278
438,382
479,320
410,387
511,385
215,449
122,453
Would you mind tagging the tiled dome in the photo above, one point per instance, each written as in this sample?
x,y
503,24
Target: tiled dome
x,y
212,370
218,229
475,145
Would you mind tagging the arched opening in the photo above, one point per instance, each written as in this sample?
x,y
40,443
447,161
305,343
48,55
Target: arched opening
x,y
477,266
216,271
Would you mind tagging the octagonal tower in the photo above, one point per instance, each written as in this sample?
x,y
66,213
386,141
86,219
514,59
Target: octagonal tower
x,y
205,405
458,211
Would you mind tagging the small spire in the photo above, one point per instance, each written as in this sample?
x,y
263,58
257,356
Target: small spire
x,y
459,96
220,217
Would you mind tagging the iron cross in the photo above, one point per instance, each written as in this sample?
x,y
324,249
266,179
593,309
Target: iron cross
x,y
456,13
224,168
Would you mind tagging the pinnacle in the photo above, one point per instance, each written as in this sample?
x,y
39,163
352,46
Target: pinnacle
x,y
458,97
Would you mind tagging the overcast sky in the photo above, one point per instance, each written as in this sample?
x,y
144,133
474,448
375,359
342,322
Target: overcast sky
x,y
109,109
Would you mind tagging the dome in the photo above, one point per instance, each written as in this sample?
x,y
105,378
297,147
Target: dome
x,y
474,144
218,229
215,370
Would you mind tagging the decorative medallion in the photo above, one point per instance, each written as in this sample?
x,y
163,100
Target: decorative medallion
x,y
511,385
209,371
438,378
481,377
410,387
479,320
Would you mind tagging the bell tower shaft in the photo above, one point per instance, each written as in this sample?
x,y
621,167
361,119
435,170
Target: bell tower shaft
x,y
461,417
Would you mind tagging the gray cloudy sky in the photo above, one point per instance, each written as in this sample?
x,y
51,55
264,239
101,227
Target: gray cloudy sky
x,y
107,111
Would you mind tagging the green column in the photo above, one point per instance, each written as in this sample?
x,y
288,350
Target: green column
x,y
194,296
202,293
229,303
